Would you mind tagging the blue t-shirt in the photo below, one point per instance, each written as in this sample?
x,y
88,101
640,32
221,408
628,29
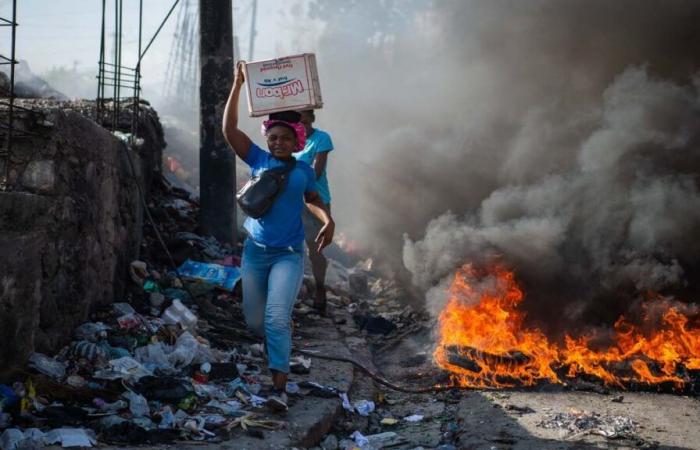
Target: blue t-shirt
x,y
281,226
318,142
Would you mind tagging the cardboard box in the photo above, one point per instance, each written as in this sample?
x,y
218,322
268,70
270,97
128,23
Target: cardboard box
x,y
288,83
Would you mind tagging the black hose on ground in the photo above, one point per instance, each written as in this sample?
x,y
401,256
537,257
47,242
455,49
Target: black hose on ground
x,y
383,381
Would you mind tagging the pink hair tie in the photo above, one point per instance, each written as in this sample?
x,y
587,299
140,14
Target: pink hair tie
x,y
299,130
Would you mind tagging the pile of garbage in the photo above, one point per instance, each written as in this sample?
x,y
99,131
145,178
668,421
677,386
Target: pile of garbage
x,y
140,374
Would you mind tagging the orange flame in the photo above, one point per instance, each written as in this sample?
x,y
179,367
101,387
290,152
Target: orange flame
x,y
483,342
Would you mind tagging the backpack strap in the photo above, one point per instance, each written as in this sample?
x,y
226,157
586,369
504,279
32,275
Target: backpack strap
x,y
286,168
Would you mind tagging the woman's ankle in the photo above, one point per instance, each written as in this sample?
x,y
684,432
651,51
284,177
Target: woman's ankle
x,y
279,380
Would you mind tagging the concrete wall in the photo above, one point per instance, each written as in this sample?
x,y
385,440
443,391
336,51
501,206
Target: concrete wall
x,y
69,227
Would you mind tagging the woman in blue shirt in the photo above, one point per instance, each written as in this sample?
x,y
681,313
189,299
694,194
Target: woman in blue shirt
x,y
272,264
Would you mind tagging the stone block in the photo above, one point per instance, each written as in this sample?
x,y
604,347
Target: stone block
x,y
68,229
39,176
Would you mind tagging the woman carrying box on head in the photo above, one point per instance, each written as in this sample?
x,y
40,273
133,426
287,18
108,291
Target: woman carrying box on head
x,y
272,265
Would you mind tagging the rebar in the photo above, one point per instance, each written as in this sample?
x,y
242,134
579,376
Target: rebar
x,y
6,150
119,77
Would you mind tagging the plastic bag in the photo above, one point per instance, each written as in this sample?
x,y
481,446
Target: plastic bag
x,y
155,356
71,437
47,366
138,405
123,368
91,331
216,274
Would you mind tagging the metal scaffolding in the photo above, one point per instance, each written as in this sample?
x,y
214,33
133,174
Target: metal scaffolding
x,y
116,77
181,87
8,132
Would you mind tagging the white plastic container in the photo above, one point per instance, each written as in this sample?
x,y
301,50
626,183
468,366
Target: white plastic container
x,y
287,83
179,313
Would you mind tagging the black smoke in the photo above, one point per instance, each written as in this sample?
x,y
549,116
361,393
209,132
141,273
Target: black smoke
x,y
558,136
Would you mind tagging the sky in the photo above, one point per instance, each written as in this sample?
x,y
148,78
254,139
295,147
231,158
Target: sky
x,y
55,33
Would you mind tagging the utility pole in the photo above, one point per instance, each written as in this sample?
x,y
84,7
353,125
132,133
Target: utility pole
x,y
217,163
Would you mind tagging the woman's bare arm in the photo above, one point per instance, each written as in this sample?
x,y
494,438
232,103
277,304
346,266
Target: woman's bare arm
x,y
320,162
237,139
320,210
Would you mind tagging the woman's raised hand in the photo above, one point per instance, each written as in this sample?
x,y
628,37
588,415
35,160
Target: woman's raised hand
x,y
240,76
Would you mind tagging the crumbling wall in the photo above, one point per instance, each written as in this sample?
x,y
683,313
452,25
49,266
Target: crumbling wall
x,y
69,227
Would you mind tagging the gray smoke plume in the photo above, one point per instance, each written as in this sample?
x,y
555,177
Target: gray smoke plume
x,y
559,136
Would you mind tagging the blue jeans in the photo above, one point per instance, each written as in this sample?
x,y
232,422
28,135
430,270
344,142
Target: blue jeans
x,y
271,278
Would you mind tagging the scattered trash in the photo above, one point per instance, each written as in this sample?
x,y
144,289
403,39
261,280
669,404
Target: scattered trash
x,y
8,397
364,407
330,442
229,407
380,440
618,399
164,388
71,437
138,405
167,418
359,439
256,401
14,438
583,422
151,286
10,439
123,309
357,282
139,272
177,313
389,421
374,324
47,366
320,390
448,447
521,410
129,321
87,350
224,277
300,365
126,368
91,332
346,402
110,407
76,381
223,371
413,418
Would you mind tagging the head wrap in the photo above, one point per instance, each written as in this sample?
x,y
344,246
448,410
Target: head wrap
x,y
298,128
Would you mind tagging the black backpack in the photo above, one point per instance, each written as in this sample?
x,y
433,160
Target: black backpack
x,y
261,191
